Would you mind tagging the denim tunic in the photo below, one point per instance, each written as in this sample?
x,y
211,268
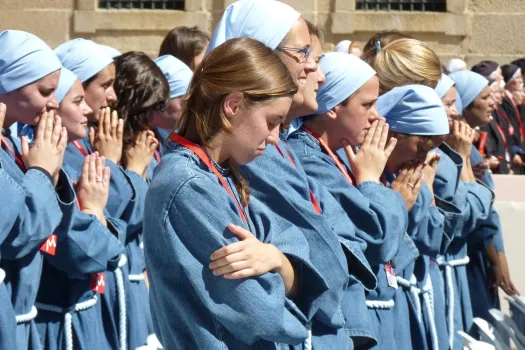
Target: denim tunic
x,y
12,201
35,222
380,219
278,179
474,200
186,214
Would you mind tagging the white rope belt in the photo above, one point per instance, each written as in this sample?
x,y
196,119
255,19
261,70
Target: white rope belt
x,y
380,304
428,299
136,278
121,295
68,322
30,316
2,276
308,341
414,294
450,292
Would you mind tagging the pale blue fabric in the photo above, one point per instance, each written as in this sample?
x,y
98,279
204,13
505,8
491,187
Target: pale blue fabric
x,y
345,74
414,110
67,79
177,73
468,85
444,85
83,57
110,51
459,104
24,59
267,21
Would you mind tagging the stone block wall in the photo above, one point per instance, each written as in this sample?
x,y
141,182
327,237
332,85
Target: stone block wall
x,y
470,29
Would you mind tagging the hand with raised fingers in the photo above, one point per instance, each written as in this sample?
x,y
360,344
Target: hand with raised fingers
x,y
139,156
408,183
461,138
369,162
245,258
93,186
47,151
108,139
430,168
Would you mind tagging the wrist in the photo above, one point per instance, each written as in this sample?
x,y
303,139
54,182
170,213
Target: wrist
x,y
99,213
360,178
137,168
279,258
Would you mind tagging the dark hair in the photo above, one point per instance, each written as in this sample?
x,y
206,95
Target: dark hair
x,y
238,65
315,30
385,37
141,89
184,43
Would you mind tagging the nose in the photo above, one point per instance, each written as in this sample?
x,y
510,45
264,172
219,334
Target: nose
x,y
491,103
111,96
52,103
273,138
86,110
374,115
321,78
453,112
310,65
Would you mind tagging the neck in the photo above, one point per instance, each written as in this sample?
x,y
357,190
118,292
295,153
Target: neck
x,y
217,149
319,126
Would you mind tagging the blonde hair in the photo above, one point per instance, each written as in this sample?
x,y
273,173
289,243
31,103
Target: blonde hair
x,y
239,65
406,61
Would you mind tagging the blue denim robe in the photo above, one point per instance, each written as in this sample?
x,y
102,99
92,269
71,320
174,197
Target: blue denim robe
x,y
280,182
88,248
12,201
475,201
380,218
126,204
482,296
186,214
35,221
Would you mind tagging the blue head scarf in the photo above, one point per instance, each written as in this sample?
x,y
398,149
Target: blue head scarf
x,y
67,79
82,57
24,59
468,85
414,110
345,74
444,85
177,73
110,51
267,21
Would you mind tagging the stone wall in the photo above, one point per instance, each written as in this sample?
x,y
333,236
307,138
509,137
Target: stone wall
x,y
471,29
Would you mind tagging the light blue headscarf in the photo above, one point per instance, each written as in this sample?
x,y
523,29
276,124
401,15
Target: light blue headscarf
x,y
83,57
459,104
110,51
24,59
414,110
67,79
345,74
444,85
468,85
177,73
267,21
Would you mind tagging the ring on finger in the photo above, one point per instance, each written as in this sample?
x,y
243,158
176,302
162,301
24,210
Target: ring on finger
x,y
100,180
411,185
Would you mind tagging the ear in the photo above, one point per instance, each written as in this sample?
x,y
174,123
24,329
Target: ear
x,y
332,114
233,103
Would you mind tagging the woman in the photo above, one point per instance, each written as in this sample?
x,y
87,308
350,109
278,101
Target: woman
x,y
178,76
197,188
278,180
29,73
187,44
72,278
347,114
347,46
96,72
488,268
142,92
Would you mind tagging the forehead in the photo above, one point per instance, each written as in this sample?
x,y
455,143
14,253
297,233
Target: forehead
x,y
107,73
50,81
298,36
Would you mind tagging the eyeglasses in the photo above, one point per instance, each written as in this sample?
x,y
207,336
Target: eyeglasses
x,y
305,53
